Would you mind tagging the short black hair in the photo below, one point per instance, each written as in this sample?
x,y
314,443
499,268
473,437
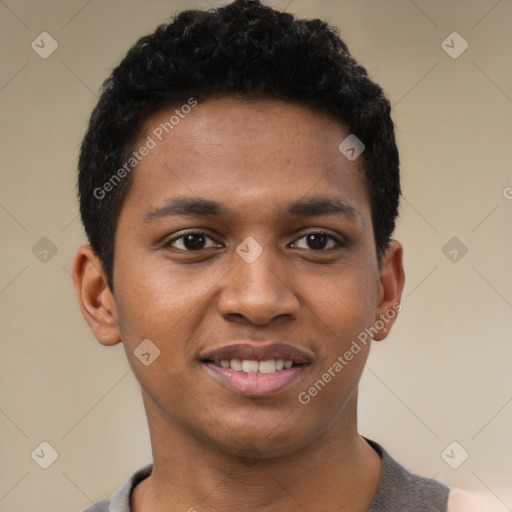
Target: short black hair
x,y
244,49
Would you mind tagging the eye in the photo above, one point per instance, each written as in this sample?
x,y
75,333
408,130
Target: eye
x,y
319,240
190,242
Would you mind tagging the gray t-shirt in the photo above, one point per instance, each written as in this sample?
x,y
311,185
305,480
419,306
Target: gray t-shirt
x,y
399,490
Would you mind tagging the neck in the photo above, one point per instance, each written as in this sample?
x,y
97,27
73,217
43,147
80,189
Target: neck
x,y
338,471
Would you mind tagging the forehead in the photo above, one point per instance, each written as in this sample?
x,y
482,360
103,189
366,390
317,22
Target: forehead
x,y
263,152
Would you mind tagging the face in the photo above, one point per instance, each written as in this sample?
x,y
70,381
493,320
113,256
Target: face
x,y
245,246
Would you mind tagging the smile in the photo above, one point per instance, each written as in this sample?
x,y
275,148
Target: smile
x,y
252,379
257,369
253,366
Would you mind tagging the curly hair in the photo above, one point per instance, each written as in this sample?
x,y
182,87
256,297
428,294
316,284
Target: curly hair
x,y
244,49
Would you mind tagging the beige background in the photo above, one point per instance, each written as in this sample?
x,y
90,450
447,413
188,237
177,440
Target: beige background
x,y
444,374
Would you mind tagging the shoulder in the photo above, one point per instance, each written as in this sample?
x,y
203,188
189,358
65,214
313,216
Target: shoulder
x,y
400,489
460,500
120,501
99,506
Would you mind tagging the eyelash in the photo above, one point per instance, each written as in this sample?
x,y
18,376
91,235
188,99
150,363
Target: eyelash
x,y
339,242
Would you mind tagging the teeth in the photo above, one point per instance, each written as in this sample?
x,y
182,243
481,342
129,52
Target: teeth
x,y
252,366
267,366
236,364
249,366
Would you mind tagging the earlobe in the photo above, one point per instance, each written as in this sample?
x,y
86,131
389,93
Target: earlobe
x,y
392,279
94,296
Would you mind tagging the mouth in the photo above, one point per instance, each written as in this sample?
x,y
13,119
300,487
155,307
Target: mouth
x,y
255,370
253,366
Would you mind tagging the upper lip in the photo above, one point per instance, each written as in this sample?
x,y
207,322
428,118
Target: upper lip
x,y
259,352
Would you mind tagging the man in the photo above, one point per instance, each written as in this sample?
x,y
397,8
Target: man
x,y
239,185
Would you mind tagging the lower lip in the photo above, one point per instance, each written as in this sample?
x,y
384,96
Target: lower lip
x,y
256,384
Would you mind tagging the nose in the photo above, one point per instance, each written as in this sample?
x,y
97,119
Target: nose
x,y
258,292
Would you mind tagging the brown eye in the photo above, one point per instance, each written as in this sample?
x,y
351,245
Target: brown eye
x,y
318,241
190,242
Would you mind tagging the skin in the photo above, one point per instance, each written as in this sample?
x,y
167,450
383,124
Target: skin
x,y
214,449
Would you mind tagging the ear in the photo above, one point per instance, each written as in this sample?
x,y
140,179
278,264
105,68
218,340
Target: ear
x,y
94,296
392,279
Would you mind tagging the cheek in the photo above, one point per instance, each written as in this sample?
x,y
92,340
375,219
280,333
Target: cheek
x,y
168,307
152,306
156,299
339,321
344,300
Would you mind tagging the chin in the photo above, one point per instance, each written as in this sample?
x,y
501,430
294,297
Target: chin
x,y
258,441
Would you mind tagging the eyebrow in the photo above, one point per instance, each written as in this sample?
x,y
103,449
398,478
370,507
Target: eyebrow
x,y
189,206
